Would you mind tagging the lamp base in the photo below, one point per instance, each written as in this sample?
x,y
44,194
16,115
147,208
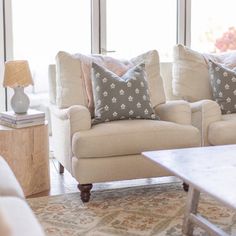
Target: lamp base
x,y
19,101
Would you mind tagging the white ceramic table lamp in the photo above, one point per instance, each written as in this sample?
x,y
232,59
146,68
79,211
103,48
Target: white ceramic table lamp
x,y
17,76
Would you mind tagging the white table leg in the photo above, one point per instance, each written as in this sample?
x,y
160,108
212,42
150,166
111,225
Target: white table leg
x,y
191,208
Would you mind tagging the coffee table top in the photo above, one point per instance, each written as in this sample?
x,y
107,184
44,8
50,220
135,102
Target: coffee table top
x,y
209,169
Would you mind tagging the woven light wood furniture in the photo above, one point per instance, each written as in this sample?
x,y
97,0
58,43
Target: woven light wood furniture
x,y
211,170
27,152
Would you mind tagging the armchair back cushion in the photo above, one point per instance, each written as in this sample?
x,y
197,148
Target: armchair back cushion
x,y
191,79
52,83
71,86
190,75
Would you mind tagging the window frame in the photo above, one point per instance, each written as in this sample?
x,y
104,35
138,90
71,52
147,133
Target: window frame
x,y
6,48
2,55
182,30
98,33
183,22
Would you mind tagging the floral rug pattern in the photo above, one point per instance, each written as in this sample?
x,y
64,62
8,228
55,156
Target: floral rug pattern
x,y
136,211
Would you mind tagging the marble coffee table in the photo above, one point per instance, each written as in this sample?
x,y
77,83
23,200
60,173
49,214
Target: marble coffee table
x,y
211,170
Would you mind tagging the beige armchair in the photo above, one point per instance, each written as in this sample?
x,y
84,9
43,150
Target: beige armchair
x,y
112,151
191,82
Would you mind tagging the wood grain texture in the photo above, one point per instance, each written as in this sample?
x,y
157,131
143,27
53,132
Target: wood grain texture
x,y
27,152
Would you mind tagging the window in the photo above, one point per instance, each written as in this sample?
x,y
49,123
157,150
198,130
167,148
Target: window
x,y
133,27
42,28
213,25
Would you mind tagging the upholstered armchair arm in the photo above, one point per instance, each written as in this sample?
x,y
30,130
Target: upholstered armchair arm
x,y
204,112
66,122
177,111
78,115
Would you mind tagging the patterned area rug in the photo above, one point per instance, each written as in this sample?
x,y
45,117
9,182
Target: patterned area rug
x,y
136,211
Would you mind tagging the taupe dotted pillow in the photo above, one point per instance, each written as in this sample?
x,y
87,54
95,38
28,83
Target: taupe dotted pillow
x,y
223,81
118,98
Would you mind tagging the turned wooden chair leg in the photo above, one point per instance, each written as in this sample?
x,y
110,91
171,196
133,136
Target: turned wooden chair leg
x,y
85,191
61,168
185,187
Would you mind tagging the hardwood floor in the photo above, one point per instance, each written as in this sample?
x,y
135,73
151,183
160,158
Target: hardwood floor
x,y
65,183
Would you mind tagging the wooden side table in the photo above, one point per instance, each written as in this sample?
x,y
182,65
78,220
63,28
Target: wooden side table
x,y
27,152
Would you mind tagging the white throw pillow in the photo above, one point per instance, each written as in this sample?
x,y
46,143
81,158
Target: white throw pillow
x,y
191,79
155,83
70,89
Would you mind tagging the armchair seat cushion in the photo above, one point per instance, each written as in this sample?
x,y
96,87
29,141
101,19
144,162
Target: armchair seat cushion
x,y
126,137
223,131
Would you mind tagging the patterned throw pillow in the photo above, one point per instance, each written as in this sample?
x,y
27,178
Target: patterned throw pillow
x,y
223,81
118,98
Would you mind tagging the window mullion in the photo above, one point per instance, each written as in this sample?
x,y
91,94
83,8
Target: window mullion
x,y
181,35
95,26
2,56
103,29
188,23
6,47
184,22
8,30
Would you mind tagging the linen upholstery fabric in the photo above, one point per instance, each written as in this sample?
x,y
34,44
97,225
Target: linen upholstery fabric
x,y
118,98
62,123
52,83
78,115
9,186
70,85
190,75
19,217
223,83
178,111
73,81
115,168
155,83
223,132
191,79
166,75
67,121
126,137
205,112
190,66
